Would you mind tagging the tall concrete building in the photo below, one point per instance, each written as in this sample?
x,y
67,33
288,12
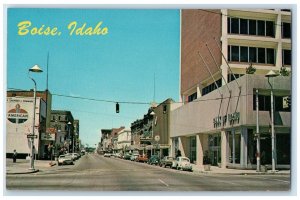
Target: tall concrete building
x,y
225,55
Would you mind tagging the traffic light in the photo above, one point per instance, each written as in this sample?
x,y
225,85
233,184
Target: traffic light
x,y
117,108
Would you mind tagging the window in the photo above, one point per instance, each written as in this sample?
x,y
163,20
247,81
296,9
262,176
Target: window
x,y
286,30
211,87
261,27
235,53
265,103
192,97
286,57
229,53
243,26
252,27
261,55
244,54
270,56
270,28
252,55
234,25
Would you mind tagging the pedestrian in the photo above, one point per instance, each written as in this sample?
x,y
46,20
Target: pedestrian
x,y
15,156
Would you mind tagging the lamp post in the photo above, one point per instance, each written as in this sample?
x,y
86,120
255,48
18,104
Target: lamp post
x,y
271,74
69,127
152,114
37,69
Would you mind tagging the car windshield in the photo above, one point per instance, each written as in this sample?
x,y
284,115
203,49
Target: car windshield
x,y
185,159
61,156
170,158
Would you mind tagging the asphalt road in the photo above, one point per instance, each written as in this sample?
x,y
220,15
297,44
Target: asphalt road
x,y
96,173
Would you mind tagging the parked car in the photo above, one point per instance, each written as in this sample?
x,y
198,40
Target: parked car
x,y
154,160
65,159
127,156
167,161
142,158
133,157
107,154
183,163
74,156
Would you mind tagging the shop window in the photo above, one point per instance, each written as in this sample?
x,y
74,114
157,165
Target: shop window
x,y
286,57
286,30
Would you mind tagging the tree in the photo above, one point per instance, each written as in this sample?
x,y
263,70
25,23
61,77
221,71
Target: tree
x,y
250,69
284,71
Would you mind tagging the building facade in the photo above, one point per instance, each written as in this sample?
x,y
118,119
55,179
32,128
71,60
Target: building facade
x,y
64,132
19,124
225,55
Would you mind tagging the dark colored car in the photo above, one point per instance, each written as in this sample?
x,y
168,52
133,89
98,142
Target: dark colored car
x,y
167,161
154,160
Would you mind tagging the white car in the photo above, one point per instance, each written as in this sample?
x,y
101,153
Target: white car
x,y
183,163
65,159
107,155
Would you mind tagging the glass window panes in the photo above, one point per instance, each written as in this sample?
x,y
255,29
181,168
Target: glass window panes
x,y
252,27
234,53
228,25
229,53
261,27
286,30
287,57
270,56
234,25
261,55
243,26
252,55
244,54
270,28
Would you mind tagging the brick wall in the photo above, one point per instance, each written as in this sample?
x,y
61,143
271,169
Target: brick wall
x,y
198,28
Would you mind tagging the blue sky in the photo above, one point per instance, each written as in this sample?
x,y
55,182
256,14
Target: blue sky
x,y
118,66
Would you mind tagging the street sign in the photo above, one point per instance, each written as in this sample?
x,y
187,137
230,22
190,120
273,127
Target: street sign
x,y
31,136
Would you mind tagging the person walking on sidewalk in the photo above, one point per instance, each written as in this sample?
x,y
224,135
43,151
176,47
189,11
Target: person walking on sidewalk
x,y
15,156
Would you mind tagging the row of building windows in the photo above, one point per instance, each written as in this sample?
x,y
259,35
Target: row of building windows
x,y
60,118
257,55
250,27
230,77
211,87
256,27
251,54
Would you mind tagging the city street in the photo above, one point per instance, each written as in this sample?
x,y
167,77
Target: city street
x,y
93,172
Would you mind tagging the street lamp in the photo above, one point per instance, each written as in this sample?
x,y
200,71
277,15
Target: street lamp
x,y
69,127
152,114
37,69
271,74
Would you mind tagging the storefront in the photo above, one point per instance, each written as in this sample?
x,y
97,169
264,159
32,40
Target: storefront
x,y
225,127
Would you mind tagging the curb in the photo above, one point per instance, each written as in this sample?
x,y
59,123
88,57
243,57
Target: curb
x,y
241,173
28,172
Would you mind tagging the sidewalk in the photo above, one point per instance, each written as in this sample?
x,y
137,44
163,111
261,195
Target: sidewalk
x,y
218,170
22,166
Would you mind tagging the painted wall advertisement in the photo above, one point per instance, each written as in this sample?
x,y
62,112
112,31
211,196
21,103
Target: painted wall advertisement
x,y
19,122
